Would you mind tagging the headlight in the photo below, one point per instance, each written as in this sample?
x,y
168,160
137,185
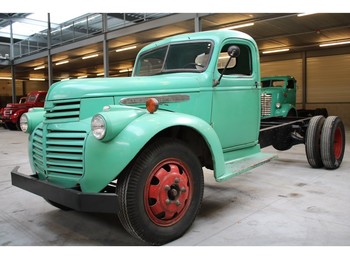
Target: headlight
x,y
23,123
98,126
278,105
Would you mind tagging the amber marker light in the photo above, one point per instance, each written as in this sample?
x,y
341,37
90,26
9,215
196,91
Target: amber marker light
x,y
152,105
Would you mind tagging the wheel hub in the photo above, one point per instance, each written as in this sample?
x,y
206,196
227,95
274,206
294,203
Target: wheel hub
x,y
168,194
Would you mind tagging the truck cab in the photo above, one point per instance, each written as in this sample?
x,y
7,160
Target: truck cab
x,y
278,96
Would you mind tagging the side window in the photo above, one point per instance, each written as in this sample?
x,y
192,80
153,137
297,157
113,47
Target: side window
x,y
42,98
242,65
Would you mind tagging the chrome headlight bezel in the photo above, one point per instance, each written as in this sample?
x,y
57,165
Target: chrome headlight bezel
x,y
98,126
278,105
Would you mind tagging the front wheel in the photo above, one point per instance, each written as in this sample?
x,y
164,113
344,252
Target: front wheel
x,y
161,193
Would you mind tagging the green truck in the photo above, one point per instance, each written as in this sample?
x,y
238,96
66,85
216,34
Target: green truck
x,y
278,98
136,146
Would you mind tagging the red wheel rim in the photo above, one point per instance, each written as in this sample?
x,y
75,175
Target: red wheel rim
x,y
338,143
168,192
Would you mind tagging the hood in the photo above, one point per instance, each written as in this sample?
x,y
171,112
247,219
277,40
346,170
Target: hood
x,y
15,105
122,86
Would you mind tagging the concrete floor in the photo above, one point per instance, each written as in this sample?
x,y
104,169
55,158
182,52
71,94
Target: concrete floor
x,y
282,203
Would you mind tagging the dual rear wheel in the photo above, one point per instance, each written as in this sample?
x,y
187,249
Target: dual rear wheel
x,y
325,142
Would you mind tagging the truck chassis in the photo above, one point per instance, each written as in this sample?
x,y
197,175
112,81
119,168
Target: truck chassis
x,y
324,140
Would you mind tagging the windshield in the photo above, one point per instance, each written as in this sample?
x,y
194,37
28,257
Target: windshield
x,y
184,57
31,98
272,83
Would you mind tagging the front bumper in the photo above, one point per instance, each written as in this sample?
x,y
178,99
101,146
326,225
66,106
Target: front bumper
x,y
69,197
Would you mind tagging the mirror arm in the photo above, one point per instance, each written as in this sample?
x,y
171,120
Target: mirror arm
x,y
217,82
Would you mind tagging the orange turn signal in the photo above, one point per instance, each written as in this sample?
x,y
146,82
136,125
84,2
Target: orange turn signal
x,y
152,105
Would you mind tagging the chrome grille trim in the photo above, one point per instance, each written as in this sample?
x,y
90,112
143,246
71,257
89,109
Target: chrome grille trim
x,y
265,104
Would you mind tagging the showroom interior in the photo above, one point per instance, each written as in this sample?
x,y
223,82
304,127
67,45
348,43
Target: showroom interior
x,y
283,203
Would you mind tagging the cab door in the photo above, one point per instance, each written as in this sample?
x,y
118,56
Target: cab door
x,y
236,99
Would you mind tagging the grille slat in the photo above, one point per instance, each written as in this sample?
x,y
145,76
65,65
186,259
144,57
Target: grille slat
x,y
75,157
64,142
64,170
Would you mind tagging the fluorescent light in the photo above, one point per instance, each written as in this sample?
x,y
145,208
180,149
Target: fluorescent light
x,y
85,76
62,62
336,43
305,14
37,79
276,51
39,67
125,70
238,26
100,74
125,48
89,56
5,78
65,79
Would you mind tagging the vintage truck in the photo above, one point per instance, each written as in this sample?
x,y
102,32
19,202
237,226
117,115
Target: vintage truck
x,y
12,113
136,146
278,98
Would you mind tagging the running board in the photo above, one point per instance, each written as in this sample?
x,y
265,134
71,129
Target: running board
x,y
242,165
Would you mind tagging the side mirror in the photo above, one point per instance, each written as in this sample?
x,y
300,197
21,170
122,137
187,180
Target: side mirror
x,y
233,51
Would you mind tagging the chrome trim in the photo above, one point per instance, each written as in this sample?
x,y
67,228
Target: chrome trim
x,y
161,99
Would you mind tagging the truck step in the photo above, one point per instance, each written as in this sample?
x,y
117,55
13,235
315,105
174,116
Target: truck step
x,y
242,165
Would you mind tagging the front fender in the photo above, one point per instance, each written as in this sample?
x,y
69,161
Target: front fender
x,y
15,116
104,161
284,110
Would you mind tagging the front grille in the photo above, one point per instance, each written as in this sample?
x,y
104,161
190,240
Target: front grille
x,y
59,152
58,111
7,112
265,104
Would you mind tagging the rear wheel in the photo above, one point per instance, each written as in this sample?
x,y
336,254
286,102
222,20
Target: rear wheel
x,y
332,142
312,141
160,196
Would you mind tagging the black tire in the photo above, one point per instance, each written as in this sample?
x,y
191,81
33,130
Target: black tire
x,y
10,126
313,140
332,142
59,206
161,193
321,111
292,113
18,124
283,141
